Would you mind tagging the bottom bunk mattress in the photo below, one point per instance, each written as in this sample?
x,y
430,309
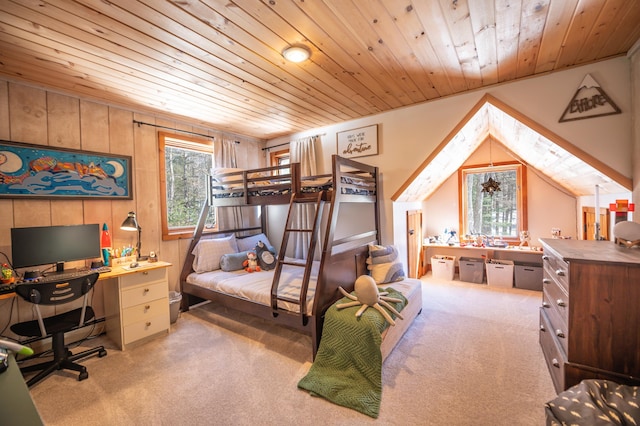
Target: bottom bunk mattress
x,y
256,286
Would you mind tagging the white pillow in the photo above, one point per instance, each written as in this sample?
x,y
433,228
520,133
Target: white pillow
x,y
249,243
209,251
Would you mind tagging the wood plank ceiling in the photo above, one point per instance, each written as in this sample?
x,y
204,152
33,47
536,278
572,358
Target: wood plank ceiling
x,y
218,63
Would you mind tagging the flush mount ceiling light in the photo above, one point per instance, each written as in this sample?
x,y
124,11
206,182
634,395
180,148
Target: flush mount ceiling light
x,y
296,53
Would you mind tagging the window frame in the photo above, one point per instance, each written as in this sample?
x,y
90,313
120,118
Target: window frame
x,y
184,142
521,178
275,159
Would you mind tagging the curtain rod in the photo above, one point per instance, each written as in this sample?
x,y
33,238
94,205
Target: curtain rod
x,y
139,123
286,143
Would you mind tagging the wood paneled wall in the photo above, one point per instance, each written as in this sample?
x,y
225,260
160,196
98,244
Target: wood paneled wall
x,y
36,116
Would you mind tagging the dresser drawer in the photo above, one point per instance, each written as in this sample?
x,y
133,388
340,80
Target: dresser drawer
x,y
144,294
553,353
554,297
145,311
557,324
556,268
142,277
148,327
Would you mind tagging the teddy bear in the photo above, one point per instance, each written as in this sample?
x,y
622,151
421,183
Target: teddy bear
x,y
251,264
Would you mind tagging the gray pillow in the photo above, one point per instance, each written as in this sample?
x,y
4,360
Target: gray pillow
x,y
233,261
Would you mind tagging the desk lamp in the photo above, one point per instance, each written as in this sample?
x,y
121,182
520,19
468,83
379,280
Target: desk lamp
x,y
131,224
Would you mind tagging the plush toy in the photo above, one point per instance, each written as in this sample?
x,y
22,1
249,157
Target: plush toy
x,y
251,264
266,258
367,294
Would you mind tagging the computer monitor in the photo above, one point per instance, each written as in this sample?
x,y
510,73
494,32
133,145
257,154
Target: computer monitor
x,y
45,245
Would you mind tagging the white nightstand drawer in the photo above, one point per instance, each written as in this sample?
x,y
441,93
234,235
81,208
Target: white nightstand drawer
x,y
143,276
144,294
144,311
146,328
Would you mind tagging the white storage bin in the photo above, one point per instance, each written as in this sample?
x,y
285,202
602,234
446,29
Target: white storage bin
x,y
443,267
500,273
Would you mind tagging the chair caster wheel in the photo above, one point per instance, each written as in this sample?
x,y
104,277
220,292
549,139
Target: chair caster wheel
x,y
83,375
102,353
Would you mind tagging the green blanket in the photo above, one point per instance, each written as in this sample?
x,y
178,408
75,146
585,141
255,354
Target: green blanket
x,y
348,366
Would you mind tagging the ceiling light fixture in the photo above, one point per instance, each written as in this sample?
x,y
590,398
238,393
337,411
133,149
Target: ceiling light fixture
x,y
296,53
491,185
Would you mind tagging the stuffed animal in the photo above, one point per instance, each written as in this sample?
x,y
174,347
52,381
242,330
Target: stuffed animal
x,y
251,264
266,258
367,294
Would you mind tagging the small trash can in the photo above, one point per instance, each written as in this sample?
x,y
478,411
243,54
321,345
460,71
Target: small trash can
x,y
471,269
500,273
443,267
174,305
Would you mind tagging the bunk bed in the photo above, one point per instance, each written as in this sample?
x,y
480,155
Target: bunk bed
x,y
297,292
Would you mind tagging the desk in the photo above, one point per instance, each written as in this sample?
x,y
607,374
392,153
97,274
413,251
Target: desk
x,y
16,405
136,302
515,254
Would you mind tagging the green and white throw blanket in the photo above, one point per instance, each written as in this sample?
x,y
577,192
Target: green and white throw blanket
x,y
348,366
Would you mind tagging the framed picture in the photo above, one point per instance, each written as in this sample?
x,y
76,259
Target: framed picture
x,y
358,142
28,171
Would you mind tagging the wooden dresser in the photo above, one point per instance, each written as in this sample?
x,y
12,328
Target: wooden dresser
x,y
590,314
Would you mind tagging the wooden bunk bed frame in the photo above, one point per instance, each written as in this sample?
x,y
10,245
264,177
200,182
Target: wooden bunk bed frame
x,y
341,261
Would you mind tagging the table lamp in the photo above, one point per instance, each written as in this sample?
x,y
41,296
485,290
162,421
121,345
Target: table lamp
x,y
131,224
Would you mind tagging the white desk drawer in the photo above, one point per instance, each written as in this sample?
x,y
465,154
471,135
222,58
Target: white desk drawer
x,y
144,294
145,311
143,276
148,327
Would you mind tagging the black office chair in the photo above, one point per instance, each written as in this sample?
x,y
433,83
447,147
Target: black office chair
x,y
57,293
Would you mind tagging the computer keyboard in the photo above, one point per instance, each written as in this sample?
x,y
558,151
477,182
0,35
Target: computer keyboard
x,y
65,276
101,269
7,288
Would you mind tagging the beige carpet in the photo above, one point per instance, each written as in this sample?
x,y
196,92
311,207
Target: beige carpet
x,y
471,358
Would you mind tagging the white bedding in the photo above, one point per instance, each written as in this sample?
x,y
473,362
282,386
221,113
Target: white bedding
x,y
256,286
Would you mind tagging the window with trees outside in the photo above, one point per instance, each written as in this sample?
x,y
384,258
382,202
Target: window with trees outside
x,y
501,214
185,163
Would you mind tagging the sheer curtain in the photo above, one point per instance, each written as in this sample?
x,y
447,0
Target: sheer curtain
x,y
224,155
303,151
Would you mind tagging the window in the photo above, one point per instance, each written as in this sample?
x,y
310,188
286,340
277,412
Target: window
x,y
184,164
502,214
280,158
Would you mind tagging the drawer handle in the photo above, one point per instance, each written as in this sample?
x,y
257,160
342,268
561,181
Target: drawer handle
x,y
147,307
148,324
542,327
546,305
545,257
560,273
560,333
555,363
146,290
145,273
561,303
546,281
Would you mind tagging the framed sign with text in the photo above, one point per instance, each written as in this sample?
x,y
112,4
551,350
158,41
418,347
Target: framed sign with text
x,y
358,142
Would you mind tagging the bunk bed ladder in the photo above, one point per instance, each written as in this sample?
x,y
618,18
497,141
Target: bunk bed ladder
x,y
297,199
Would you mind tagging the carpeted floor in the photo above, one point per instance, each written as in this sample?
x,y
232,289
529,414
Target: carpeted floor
x,y
471,358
